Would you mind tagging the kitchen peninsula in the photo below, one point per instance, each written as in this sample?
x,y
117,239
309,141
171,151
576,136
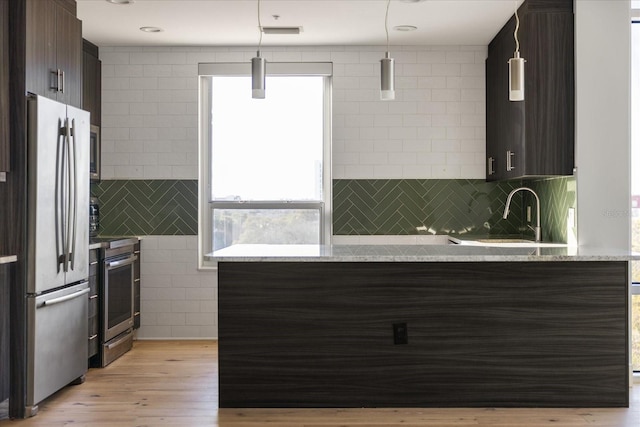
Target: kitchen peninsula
x,y
422,326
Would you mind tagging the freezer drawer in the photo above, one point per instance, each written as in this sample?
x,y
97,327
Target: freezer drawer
x,y
57,341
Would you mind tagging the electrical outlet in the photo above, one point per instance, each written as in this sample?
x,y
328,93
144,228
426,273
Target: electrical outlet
x,y
400,334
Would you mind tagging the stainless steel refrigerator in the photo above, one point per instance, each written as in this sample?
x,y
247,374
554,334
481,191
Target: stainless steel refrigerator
x,y
57,248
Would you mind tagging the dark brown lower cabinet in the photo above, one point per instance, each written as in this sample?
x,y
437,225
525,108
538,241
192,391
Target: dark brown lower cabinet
x,y
4,335
94,323
136,287
478,334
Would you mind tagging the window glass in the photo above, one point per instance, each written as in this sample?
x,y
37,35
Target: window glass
x,y
264,163
265,226
267,149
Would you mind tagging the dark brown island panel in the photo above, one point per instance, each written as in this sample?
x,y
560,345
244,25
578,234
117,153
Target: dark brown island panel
x,y
423,334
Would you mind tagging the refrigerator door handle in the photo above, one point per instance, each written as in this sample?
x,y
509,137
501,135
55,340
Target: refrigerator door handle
x,y
65,298
73,170
59,197
67,247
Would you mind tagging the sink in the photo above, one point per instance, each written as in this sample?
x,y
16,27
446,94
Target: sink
x,y
504,241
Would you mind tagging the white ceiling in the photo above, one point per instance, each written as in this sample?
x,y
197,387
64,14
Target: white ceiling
x,y
324,22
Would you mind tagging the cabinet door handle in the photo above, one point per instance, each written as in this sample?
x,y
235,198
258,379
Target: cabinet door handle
x,y
510,166
490,170
55,85
62,81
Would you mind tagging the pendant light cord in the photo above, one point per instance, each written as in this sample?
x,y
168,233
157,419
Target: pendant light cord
x,y
386,23
515,32
259,29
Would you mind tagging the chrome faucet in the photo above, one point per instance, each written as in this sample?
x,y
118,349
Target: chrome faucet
x,y
506,210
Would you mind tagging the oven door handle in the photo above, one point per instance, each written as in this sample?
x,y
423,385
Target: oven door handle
x,y
117,343
120,263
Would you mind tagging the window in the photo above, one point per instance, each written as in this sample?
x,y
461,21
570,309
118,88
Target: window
x,y
265,175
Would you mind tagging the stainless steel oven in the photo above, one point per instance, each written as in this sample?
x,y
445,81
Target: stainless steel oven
x,y
117,302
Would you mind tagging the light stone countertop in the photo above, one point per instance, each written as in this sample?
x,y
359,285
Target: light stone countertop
x,y
413,253
7,259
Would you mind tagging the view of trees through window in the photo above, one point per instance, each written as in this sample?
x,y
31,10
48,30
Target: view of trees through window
x,y
267,161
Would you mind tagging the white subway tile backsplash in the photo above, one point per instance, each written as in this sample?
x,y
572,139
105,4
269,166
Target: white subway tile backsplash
x,y
170,319
460,57
120,70
143,83
121,147
418,171
144,159
172,57
446,95
115,83
382,171
184,172
109,57
144,108
157,70
178,296
127,95
131,172
145,57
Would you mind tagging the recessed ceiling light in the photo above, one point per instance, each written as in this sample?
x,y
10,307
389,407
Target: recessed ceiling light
x,y
405,28
151,29
120,1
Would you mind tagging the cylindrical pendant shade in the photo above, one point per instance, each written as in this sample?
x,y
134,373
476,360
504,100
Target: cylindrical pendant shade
x,y
258,73
516,78
387,77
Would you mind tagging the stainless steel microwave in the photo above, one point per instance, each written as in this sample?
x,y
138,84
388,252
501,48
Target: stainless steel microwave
x,y
94,160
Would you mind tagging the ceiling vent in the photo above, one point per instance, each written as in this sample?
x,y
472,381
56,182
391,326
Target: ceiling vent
x,y
281,30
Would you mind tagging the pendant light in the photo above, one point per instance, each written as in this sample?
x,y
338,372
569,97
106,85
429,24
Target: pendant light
x,y
258,68
387,74
516,67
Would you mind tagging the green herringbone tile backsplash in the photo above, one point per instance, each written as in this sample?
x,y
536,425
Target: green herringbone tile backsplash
x,y
557,195
147,207
444,206
360,207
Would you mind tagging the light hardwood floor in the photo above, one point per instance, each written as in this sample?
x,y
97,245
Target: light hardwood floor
x,y
174,383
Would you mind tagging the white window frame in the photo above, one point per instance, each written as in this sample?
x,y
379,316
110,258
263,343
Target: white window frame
x,y
205,205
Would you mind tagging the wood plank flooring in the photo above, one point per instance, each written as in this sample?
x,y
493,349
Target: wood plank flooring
x,y
174,383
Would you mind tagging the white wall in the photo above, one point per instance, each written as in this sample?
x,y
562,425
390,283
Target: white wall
x,y
434,129
177,300
603,122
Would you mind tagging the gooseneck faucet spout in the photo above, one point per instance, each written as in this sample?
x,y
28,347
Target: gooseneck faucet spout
x,y
537,229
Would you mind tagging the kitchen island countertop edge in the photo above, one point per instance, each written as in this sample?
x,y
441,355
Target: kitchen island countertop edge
x,y
414,253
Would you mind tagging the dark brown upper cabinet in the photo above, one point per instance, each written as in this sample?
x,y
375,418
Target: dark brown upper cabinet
x,y
54,51
534,137
4,86
91,81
